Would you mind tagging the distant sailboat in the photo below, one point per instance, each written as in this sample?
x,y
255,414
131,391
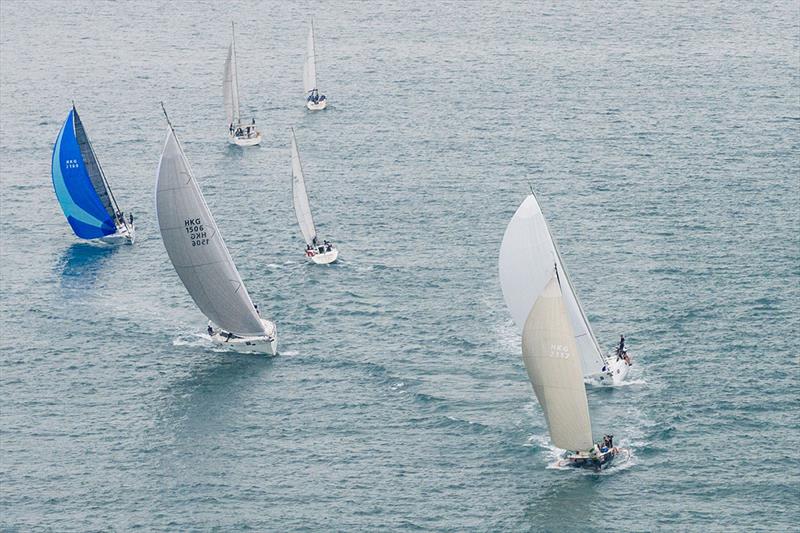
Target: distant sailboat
x,y
82,189
314,100
239,132
527,256
320,253
201,259
551,358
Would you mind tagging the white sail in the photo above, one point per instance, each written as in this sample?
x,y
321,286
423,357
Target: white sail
x,y
527,256
300,197
310,65
551,359
230,86
196,249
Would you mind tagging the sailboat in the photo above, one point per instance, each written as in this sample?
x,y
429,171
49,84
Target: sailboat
x,y
320,253
314,100
240,132
527,256
201,259
83,190
550,354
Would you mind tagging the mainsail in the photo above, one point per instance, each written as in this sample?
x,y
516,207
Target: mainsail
x,y
79,183
310,65
230,85
300,197
195,246
551,359
527,257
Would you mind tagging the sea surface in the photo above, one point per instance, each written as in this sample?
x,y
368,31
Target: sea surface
x,y
662,139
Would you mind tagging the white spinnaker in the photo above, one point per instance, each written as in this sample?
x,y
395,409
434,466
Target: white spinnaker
x,y
300,197
551,359
528,255
196,249
310,65
230,86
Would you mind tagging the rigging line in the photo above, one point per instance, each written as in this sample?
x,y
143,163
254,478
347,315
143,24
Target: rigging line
x,y
100,168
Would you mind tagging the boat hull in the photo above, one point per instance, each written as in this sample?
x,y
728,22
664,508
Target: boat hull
x,y
245,141
263,344
585,460
124,235
617,370
325,258
319,106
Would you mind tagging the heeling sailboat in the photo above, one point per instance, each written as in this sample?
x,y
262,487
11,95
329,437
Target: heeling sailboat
x,y
201,259
325,252
527,256
314,100
239,132
550,354
82,189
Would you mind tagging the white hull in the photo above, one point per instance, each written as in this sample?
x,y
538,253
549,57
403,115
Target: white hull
x,y
616,372
319,106
253,140
124,235
266,344
325,258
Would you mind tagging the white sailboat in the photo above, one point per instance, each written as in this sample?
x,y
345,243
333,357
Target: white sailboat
x,y
527,256
320,253
240,132
314,100
201,259
550,354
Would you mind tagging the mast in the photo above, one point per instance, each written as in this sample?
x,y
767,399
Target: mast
x,y
102,173
235,71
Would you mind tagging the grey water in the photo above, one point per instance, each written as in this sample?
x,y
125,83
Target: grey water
x,y
661,138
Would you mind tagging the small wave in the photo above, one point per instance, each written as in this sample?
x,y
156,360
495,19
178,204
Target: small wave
x,y
194,339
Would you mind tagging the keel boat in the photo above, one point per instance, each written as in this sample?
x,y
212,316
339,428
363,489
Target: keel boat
x,y
201,259
550,354
240,132
321,253
83,190
527,257
314,100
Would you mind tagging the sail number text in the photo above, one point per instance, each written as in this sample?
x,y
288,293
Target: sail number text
x,y
197,233
559,351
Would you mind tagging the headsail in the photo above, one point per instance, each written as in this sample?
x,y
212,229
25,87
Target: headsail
x,y
551,359
300,197
80,187
527,257
195,246
310,65
231,85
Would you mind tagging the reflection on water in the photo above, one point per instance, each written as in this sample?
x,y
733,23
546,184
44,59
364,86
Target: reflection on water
x,y
81,263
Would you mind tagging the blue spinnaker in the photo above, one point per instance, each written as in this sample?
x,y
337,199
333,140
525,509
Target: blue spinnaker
x,y
81,203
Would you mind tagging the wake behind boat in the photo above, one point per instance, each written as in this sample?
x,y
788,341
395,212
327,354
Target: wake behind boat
x,y
201,259
527,256
314,100
323,253
240,133
550,354
83,190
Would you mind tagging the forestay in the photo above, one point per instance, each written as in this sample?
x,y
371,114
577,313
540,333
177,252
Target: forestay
x,y
79,184
310,66
231,86
528,255
196,249
551,359
300,197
